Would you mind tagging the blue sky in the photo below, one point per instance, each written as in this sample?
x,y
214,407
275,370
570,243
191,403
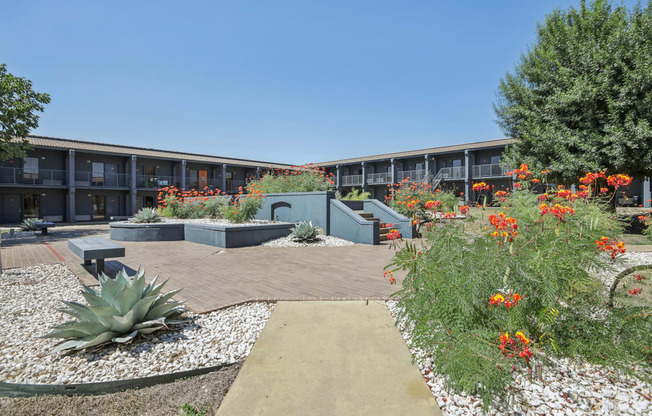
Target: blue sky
x,y
282,81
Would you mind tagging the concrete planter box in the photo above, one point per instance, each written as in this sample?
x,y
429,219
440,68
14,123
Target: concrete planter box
x,y
298,206
129,231
235,236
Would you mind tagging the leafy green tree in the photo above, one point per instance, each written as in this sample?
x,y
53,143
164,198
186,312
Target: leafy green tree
x,y
581,97
18,105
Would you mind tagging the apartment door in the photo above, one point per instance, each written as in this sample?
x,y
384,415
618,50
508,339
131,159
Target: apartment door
x,y
111,175
30,206
203,179
11,210
99,213
112,206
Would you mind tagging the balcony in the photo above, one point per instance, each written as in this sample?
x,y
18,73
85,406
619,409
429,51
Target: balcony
x,y
108,180
411,175
233,185
352,180
495,170
452,174
44,177
379,178
156,181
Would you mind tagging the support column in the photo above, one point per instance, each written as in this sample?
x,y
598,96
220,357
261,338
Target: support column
x,y
72,198
364,176
435,168
338,178
467,180
223,178
183,174
133,189
426,165
647,194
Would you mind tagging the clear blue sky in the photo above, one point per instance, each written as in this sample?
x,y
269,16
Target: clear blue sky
x,y
282,81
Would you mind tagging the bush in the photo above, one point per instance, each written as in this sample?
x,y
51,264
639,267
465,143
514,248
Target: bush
x,y
30,224
243,207
191,204
355,195
485,306
306,178
304,232
146,215
412,200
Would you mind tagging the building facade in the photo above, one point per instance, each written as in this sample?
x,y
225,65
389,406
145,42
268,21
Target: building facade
x,y
64,180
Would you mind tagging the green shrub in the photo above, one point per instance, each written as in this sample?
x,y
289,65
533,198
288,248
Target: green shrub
x,y
355,195
543,254
191,204
306,178
304,232
146,215
121,309
30,224
242,208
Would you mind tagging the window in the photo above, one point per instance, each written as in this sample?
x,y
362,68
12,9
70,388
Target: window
x,y
30,169
457,163
495,160
419,166
98,207
30,206
98,174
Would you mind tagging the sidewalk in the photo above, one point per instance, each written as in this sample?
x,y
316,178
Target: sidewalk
x,y
329,358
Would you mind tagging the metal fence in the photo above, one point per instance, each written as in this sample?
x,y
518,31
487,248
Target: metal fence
x,y
379,178
108,180
495,170
411,175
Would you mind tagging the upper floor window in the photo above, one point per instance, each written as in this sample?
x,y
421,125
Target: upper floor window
x,y
419,166
495,160
30,167
98,174
457,163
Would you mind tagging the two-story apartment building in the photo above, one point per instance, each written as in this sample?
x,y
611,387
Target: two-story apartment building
x,y
72,180
454,167
65,180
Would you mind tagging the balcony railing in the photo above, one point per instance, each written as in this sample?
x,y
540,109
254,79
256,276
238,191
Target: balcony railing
x,y
379,178
157,181
233,185
18,176
495,170
352,180
411,175
108,180
452,174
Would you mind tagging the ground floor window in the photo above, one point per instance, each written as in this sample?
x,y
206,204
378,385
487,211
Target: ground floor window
x,y
148,202
98,207
30,206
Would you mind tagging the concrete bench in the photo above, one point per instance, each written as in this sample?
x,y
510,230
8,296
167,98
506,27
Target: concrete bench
x,y
95,248
43,226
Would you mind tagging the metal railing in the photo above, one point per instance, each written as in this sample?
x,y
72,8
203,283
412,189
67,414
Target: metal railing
x,y
379,178
108,180
411,175
352,180
156,181
233,185
495,170
452,174
18,176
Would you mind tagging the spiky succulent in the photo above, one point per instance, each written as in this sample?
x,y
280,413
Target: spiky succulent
x,y
121,309
30,224
304,232
147,215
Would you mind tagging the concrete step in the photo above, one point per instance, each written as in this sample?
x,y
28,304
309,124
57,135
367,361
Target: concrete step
x,y
384,231
382,237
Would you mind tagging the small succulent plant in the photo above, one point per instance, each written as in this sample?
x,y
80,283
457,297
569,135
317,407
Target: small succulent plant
x,y
120,310
147,215
30,224
304,232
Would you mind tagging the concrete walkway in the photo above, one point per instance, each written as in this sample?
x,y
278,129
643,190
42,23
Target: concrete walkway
x,y
329,358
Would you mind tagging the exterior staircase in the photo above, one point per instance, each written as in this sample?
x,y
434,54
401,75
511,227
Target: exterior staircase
x,y
370,217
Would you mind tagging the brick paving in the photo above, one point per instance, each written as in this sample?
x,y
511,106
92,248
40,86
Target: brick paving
x,y
214,277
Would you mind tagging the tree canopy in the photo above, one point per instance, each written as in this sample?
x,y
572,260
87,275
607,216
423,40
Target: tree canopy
x,y
18,107
580,99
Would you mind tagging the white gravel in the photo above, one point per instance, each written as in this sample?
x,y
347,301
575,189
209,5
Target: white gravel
x,y
322,241
568,388
20,235
30,296
628,259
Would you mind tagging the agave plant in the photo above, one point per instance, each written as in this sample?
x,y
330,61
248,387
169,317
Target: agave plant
x,y
120,310
147,215
304,232
30,224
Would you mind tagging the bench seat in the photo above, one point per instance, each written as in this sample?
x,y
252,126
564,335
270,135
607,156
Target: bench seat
x,y
43,226
95,248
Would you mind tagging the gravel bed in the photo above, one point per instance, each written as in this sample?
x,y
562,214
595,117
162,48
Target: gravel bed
x,y
569,388
20,235
322,241
30,296
629,259
215,221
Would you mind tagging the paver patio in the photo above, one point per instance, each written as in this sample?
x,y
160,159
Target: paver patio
x,y
214,278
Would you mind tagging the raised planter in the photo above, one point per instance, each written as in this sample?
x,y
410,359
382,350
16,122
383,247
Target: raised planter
x,y
158,231
230,236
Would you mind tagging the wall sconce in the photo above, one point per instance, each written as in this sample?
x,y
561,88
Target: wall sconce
x,y
88,161
158,167
89,195
42,194
42,157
